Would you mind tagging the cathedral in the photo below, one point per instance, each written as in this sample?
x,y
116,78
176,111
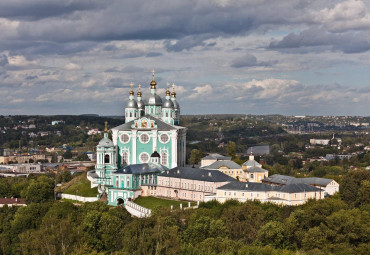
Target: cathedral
x,y
149,142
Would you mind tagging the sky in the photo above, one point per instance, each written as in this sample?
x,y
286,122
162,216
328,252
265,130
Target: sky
x,y
291,57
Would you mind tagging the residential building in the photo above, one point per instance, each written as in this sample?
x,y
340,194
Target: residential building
x,y
211,158
329,186
291,194
12,202
259,150
56,122
255,174
319,141
250,163
22,168
187,183
229,168
21,159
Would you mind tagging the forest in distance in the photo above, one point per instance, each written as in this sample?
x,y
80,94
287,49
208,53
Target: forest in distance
x,y
335,225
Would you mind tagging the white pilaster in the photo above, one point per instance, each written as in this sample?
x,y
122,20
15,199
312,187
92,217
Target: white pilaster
x,y
155,139
114,136
133,137
174,160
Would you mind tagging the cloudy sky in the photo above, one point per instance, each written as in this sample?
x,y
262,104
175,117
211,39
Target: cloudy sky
x,y
292,57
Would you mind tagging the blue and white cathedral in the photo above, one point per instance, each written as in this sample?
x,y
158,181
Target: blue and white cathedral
x,y
149,142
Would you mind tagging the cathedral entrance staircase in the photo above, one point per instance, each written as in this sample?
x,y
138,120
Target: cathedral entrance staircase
x,y
137,210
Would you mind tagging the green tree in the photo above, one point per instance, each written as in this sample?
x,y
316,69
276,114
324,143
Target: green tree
x,y
82,157
195,156
363,196
204,227
67,154
231,149
315,238
243,221
351,184
39,190
272,233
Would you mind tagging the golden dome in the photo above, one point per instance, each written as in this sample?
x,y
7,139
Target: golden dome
x,y
173,94
139,92
153,83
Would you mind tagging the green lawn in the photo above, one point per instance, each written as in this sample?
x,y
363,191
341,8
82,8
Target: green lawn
x,y
154,202
81,187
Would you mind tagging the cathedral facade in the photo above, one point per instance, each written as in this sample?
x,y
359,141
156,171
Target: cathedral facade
x,y
150,139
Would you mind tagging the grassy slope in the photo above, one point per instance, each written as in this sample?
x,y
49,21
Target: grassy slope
x,y
80,186
154,202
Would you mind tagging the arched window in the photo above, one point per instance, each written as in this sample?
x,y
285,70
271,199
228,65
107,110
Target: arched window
x,y
125,158
164,158
130,114
106,159
166,114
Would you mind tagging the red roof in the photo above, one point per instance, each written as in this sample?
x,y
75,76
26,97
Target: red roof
x,y
12,201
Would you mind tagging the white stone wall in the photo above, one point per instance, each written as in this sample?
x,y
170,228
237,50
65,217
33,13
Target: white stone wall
x,y
78,198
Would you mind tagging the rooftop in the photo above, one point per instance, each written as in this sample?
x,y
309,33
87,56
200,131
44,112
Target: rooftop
x,y
161,125
223,163
284,179
216,156
141,169
197,174
255,186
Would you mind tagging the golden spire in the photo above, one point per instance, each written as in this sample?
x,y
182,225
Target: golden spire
x,y
173,90
106,127
168,89
139,92
153,83
131,91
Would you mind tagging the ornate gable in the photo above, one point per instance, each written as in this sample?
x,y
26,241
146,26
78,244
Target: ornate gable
x,y
144,123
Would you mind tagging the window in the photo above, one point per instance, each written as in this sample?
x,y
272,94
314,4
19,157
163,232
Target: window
x,y
106,159
117,182
252,176
151,111
125,138
144,157
164,158
144,138
130,114
164,138
167,114
125,158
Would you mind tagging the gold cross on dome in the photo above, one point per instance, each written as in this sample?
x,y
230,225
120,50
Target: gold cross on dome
x,y
173,86
139,87
132,85
106,126
153,72
168,85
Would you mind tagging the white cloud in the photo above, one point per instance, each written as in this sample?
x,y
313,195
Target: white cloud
x,y
347,15
72,67
201,91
